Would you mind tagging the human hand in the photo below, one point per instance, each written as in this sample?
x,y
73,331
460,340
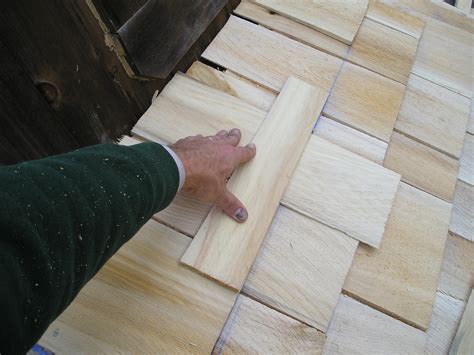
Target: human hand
x,y
208,164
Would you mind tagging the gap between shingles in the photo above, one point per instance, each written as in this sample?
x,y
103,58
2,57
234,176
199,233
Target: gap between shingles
x,y
384,311
253,298
439,150
456,91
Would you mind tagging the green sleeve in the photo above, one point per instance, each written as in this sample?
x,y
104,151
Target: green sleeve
x,y
62,218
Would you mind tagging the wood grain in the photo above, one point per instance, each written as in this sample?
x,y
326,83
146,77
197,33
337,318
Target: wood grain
x,y
169,308
359,329
338,19
422,166
253,328
401,276
434,115
384,50
463,342
348,138
234,85
225,250
432,9
447,313
366,101
470,127
342,190
292,29
184,214
462,220
466,163
464,5
457,274
395,19
335,132
269,58
445,57
188,107
301,268
156,47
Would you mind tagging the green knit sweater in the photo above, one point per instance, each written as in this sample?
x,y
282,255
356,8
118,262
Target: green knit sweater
x,y
62,218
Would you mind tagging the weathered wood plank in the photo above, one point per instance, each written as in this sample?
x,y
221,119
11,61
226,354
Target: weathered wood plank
x,y
466,163
292,29
395,19
422,166
269,58
338,19
253,328
447,313
188,107
470,127
359,329
463,342
225,250
426,9
457,274
301,268
366,101
348,138
384,50
462,220
342,190
401,277
162,31
434,115
445,57
169,308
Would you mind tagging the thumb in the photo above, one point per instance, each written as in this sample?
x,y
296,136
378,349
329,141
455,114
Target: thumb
x,y
232,206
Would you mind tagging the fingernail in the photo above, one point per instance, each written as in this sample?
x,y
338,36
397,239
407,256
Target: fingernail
x,y
251,146
235,131
241,215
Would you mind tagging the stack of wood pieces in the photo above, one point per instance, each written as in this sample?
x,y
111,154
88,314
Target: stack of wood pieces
x,y
360,233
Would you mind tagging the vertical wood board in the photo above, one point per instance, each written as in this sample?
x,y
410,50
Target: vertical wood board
x,y
225,250
342,190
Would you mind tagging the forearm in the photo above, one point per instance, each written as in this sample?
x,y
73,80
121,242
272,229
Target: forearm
x,y
63,217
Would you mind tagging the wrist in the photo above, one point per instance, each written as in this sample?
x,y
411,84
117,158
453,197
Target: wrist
x,y
179,165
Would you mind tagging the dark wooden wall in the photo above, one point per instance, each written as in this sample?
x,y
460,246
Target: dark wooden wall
x,y
61,86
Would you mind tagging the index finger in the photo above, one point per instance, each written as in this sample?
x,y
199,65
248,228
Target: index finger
x,y
244,154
